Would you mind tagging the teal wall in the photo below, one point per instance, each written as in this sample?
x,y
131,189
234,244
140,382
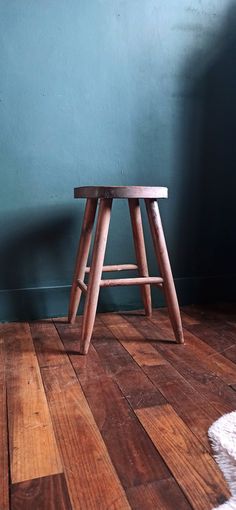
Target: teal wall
x,y
115,92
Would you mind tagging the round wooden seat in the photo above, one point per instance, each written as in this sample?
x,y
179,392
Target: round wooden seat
x,y
120,192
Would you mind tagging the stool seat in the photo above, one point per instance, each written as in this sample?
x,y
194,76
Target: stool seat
x,y
120,192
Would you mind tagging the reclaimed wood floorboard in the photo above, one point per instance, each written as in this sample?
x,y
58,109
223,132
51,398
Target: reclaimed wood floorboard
x,y
132,453
49,492
29,421
91,477
123,427
162,495
192,466
172,385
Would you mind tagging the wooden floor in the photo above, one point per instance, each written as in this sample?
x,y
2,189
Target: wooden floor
x,y
124,427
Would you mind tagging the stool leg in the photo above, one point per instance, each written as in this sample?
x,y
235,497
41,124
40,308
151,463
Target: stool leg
x,y
165,269
139,245
82,256
99,248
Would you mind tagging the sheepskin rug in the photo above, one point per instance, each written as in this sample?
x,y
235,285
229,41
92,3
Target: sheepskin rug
x,y
222,435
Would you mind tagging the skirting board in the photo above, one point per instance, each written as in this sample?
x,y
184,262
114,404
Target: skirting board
x,y
43,302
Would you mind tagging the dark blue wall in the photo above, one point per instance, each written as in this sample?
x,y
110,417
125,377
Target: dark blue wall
x,y
115,92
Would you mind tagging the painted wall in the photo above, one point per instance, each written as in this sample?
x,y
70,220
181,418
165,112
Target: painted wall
x,y
115,92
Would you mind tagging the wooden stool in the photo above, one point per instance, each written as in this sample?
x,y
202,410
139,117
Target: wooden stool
x,y
105,195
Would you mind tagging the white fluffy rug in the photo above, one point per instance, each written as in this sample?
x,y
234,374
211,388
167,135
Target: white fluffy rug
x,y
222,435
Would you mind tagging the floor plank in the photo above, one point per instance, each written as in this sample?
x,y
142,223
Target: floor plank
x,y
30,427
194,369
204,381
111,361
133,382
48,348
48,493
91,478
213,328
162,495
220,336
134,342
128,421
197,348
193,468
4,461
193,408
230,353
132,453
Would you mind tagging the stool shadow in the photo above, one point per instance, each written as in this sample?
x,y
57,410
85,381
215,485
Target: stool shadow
x,y
38,253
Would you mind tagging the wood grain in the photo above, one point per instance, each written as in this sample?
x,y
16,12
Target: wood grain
x,y
193,408
133,455
195,348
4,461
195,369
120,192
93,288
205,382
82,257
47,493
162,495
230,353
140,250
162,457
132,381
116,267
133,341
91,478
61,375
193,468
160,318
48,349
218,333
30,427
117,282
162,256
220,336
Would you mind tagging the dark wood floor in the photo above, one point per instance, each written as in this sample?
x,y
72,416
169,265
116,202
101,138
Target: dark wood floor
x,y
124,427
